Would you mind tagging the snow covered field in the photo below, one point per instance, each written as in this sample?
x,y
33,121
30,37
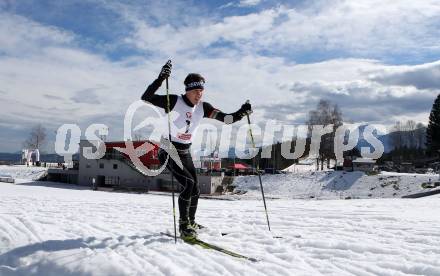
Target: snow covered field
x,y
22,171
335,185
48,230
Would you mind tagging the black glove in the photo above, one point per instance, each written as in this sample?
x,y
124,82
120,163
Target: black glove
x,y
245,109
166,71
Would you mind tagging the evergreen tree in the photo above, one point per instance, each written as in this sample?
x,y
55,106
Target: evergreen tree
x,y
433,131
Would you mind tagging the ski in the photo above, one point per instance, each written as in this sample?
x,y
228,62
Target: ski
x,y
207,245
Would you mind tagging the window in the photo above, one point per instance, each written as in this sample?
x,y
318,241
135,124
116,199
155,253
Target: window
x,y
112,180
115,166
101,165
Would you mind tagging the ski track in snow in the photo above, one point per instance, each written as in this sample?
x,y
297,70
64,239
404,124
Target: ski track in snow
x,y
53,231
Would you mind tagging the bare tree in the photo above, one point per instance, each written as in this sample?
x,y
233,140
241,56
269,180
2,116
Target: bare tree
x,y
36,139
396,135
326,114
420,135
408,135
410,139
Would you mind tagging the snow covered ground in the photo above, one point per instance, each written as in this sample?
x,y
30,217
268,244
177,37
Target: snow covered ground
x,y
48,229
22,171
335,185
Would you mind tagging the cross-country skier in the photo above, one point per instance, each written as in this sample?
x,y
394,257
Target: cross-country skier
x,y
190,109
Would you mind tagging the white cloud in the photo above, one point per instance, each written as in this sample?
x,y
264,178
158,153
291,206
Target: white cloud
x,y
367,28
171,40
54,68
358,26
21,36
241,4
425,76
249,3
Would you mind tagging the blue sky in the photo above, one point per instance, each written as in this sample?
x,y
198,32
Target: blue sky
x,y
83,61
101,27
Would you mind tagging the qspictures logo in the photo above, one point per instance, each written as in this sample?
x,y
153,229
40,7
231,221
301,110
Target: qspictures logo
x,y
343,138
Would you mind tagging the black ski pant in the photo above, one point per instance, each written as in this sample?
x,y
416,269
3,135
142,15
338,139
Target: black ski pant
x,y
187,178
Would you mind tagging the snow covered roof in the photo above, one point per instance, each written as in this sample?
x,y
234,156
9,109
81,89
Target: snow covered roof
x,y
306,161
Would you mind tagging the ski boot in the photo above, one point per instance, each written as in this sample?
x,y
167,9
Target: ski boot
x,y
186,231
195,225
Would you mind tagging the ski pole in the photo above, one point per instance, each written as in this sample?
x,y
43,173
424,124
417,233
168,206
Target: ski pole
x,y
172,176
258,169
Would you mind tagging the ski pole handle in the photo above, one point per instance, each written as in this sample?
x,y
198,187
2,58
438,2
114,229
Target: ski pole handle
x,y
249,111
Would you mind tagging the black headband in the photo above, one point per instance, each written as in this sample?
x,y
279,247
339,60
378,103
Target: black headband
x,y
194,85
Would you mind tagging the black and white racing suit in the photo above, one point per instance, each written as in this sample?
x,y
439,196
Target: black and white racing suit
x,y
184,124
